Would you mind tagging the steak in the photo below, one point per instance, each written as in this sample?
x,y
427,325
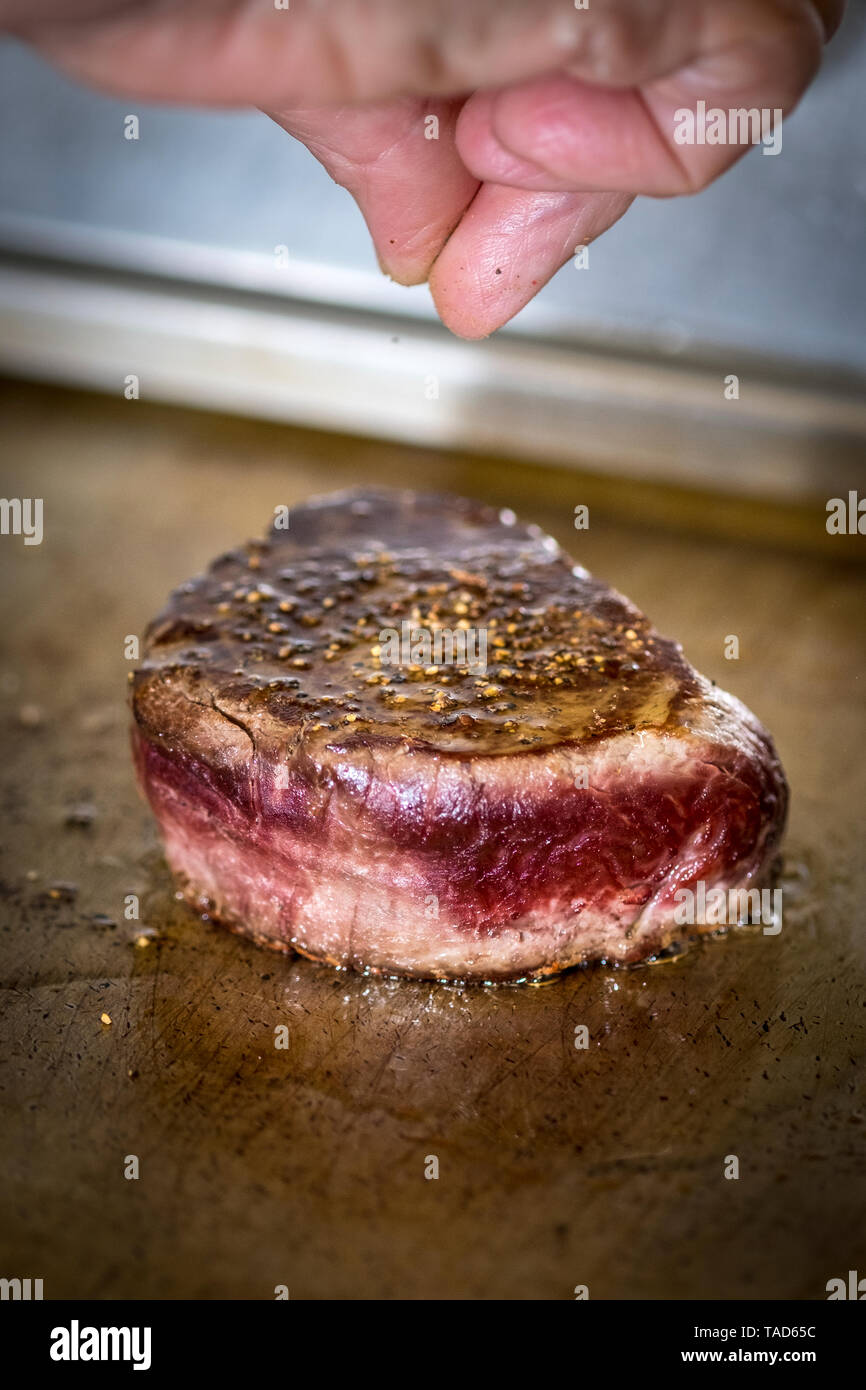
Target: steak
x,y
408,735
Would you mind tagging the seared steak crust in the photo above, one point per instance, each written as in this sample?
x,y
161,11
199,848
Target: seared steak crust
x,y
440,821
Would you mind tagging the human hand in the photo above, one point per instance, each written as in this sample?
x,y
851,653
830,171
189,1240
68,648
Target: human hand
x,y
550,118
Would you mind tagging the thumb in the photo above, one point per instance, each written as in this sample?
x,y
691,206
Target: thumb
x,y
674,119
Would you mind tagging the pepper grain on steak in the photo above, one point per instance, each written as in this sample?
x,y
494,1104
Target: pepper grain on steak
x,y
440,822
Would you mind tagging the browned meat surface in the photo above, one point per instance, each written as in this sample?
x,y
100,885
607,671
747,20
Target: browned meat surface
x,y
429,819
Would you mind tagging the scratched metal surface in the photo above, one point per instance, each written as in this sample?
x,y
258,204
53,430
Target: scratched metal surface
x,y
305,1166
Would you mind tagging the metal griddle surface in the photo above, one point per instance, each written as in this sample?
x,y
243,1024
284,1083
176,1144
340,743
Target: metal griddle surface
x,y
305,1166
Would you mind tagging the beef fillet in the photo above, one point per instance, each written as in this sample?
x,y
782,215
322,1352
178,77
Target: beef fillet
x,y
325,788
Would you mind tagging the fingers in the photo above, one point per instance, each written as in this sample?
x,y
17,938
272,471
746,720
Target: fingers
x,y
250,52
674,135
306,52
490,250
558,156
508,244
400,163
